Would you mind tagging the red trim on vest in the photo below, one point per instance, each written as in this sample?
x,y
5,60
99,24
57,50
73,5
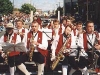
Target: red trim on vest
x,y
22,36
60,31
97,36
39,40
23,30
85,41
13,53
60,43
29,35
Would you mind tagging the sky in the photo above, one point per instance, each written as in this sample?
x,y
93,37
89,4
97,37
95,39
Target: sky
x,y
45,5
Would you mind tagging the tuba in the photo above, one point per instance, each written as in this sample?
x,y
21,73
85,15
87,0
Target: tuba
x,y
60,55
31,48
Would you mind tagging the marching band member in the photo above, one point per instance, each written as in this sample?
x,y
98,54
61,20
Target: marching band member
x,y
79,54
57,29
13,38
57,44
64,22
38,40
50,26
91,43
21,31
77,57
79,29
70,22
85,40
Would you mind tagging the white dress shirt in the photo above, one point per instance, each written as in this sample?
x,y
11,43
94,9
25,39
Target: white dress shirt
x,y
25,34
18,40
44,43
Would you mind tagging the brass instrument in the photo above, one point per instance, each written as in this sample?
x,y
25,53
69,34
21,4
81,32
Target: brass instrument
x,y
95,55
7,53
6,58
31,49
60,55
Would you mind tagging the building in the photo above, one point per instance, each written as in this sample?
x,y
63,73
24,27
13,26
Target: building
x,y
70,7
86,9
39,11
89,9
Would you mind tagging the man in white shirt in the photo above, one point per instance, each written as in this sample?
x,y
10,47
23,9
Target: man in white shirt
x,y
13,56
91,43
37,45
57,29
57,47
21,30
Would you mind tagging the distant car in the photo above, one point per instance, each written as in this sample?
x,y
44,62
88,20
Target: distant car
x,y
45,20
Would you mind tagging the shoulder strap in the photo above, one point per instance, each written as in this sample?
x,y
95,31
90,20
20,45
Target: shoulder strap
x,y
14,38
85,41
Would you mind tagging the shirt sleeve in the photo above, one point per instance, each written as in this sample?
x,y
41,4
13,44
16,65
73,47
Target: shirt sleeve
x,y
1,41
54,44
80,41
18,39
44,44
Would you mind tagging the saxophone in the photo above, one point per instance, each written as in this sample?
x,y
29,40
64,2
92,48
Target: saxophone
x,y
6,53
31,49
60,55
6,58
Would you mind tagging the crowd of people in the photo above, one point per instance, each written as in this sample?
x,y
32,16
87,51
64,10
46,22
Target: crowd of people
x,y
79,47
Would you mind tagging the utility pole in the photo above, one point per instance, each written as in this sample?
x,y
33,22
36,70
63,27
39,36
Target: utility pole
x,y
58,11
31,13
13,3
63,7
59,4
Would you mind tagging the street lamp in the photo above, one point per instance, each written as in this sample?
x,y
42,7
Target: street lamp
x,y
58,11
13,4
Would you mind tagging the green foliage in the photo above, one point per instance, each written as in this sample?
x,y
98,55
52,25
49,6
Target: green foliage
x,y
6,7
26,8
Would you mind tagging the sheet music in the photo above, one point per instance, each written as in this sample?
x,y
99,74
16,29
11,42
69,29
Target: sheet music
x,y
8,47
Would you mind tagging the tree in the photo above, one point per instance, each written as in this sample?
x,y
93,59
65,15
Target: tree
x,y
26,8
6,7
61,11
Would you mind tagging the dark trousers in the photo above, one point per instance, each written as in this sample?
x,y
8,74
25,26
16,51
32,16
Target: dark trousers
x,y
74,63
14,60
38,58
